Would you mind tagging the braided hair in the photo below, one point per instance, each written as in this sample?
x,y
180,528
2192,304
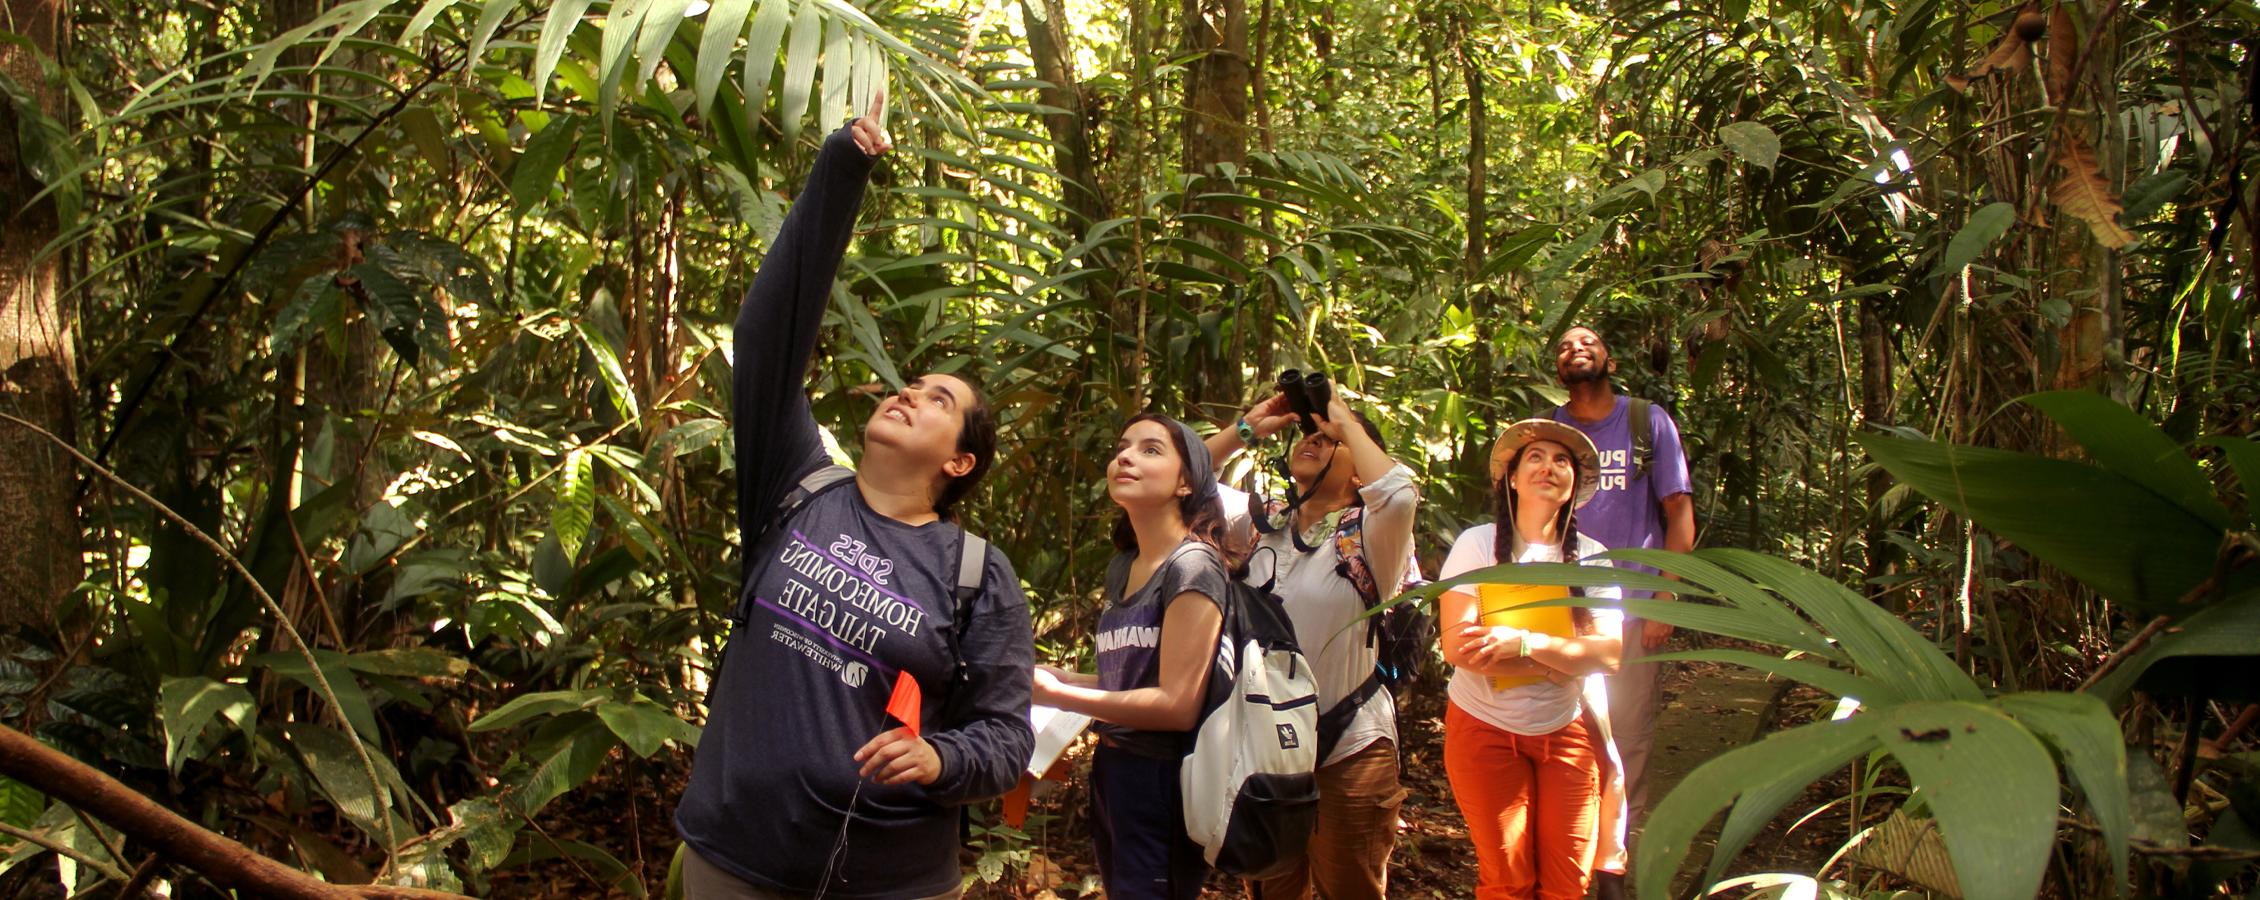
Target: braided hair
x,y
1503,500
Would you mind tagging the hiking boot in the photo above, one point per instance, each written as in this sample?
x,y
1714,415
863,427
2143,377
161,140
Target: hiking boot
x,y
1608,886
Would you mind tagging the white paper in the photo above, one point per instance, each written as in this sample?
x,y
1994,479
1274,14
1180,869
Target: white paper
x,y
1056,729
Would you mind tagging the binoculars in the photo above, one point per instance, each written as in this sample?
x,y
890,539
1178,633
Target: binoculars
x,y
1308,394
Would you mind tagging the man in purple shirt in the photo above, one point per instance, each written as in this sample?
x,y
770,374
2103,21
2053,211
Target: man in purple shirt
x,y
1643,502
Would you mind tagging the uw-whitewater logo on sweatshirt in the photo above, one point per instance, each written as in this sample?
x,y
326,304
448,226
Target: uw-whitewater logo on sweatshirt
x,y
1287,738
853,674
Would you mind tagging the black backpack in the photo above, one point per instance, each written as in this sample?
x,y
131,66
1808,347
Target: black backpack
x,y
972,564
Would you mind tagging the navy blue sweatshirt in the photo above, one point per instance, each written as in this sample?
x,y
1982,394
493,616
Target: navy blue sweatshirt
x,y
838,599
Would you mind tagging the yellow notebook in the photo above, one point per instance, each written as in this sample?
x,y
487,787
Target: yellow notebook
x,y
1506,604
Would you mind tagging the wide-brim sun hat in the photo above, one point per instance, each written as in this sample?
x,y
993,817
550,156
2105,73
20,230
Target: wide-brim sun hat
x,y
1520,434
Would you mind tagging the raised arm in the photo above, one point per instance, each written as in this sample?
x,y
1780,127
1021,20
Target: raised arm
x,y
779,318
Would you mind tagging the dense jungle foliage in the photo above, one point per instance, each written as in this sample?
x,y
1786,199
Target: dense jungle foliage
x,y
391,337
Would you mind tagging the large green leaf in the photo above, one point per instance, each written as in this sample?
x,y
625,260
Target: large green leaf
x,y
528,706
1752,141
643,725
2086,737
2244,458
800,70
1985,226
2230,628
535,173
766,34
1836,682
328,753
1989,782
2146,554
1881,646
574,508
2127,445
338,671
1672,827
725,23
187,704
556,28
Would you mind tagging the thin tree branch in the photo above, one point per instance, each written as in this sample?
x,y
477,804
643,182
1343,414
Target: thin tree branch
x,y
81,857
382,794
228,863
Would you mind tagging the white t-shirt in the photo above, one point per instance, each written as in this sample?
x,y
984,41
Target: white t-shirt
x,y
1322,604
1532,709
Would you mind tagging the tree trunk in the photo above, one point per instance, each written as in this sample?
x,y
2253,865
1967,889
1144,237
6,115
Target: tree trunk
x,y
38,368
1876,403
1215,132
1046,24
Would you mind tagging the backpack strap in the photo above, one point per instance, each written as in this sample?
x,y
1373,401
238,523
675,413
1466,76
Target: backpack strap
x,y
1642,416
972,567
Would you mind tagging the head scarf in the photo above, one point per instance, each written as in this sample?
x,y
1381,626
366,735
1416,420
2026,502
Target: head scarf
x,y
1200,469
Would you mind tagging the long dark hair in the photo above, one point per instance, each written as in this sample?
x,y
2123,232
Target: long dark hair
x,y
1503,499
977,434
1201,510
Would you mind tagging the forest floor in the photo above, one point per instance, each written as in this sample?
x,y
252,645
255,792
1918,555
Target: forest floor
x,y
1708,708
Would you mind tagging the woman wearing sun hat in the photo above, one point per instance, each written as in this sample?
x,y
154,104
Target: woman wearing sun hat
x,y
1525,750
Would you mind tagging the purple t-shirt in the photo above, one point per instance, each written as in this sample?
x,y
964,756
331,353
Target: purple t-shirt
x,y
1628,511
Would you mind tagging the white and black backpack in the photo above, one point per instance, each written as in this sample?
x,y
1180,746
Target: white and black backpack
x,y
1250,782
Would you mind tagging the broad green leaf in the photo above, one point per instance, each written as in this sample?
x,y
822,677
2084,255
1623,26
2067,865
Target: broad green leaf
x,y
2229,628
1673,826
535,173
2244,458
574,508
621,23
766,34
800,70
1882,646
659,27
1760,799
490,18
643,725
564,753
1836,682
423,19
187,704
689,437
20,804
410,662
2146,555
608,365
1752,141
2086,737
1706,568
2127,445
556,28
837,72
396,306
1985,226
528,706
1990,784
725,23
329,754
1567,255
486,829
337,670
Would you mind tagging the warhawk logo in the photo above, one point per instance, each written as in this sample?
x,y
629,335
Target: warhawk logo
x,y
1287,739
853,673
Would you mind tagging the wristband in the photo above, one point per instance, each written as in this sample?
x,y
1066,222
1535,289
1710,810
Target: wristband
x,y
1524,644
1247,432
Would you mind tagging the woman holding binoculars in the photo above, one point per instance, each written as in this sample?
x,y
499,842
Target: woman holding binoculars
x,y
1343,539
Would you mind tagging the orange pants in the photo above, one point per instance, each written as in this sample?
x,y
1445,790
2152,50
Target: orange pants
x,y
1532,805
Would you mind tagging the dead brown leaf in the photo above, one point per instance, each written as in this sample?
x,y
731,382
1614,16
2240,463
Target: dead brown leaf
x,y
2063,51
2084,193
2012,53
